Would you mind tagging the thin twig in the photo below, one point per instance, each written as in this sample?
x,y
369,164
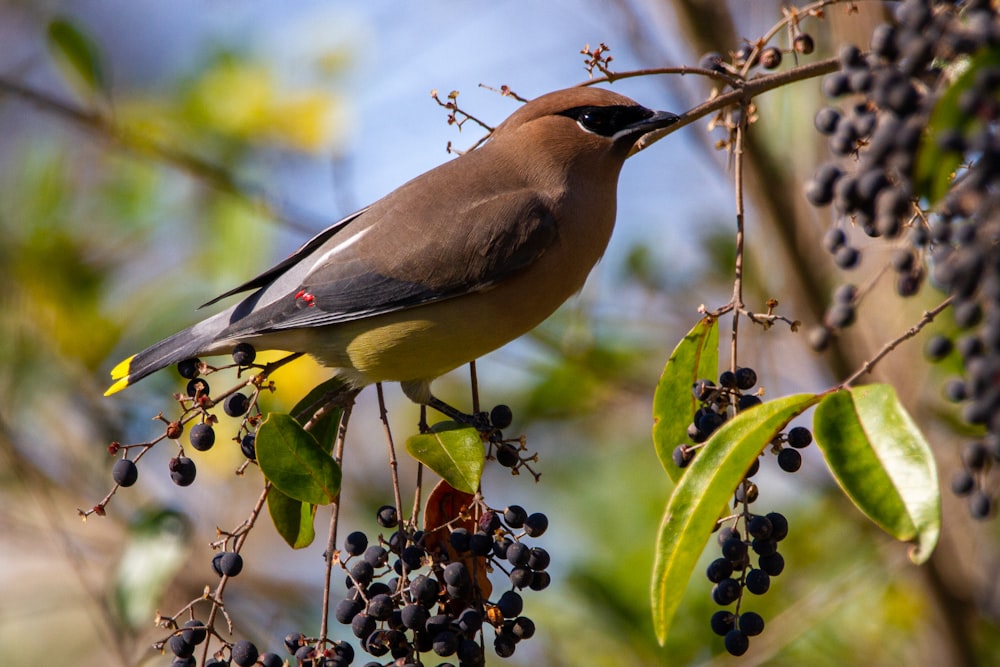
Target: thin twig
x,y
745,91
474,384
217,604
331,541
393,469
738,263
867,366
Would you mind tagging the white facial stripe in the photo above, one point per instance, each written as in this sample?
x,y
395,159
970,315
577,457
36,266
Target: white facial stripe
x,y
343,245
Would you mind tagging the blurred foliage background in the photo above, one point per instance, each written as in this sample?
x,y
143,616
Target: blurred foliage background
x,y
151,156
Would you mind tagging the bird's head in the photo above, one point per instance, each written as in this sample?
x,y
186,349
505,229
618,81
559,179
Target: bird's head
x,y
581,123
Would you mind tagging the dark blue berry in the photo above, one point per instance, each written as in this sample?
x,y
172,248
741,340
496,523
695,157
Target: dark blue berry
x,y
194,632
227,563
734,549
789,460
510,604
125,472
236,405
244,653
363,625
189,368
726,592
387,516
521,577
518,553
540,581
799,437
745,378
182,471
736,642
682,455
248,445
515,516
202,437
244,354
758,581
779,526
347,609
722,622
751,623
380,607
760,527
536,524
501,416
539,559
719,569
197,387
507,455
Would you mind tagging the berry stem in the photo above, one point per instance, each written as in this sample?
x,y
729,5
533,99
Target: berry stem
x,y
331,542
738,263
216,598
393,469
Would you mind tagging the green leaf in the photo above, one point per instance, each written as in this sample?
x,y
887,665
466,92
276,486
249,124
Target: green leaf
x,y
695,357
704,491
74,48
935,167
453,451
881,460
293,519
326,428
294,462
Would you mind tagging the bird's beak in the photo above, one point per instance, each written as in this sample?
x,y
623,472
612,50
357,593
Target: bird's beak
x,y
649,130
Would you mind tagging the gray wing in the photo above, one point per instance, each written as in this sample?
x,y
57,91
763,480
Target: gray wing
x,y
275,271
388,263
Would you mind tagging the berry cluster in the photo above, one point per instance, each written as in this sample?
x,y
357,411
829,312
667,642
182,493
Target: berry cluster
x,y
185,640
196,404
748,533
733,575
718,403
890,96
436,598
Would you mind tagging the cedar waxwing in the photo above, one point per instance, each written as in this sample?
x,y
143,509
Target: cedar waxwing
x,y
452,265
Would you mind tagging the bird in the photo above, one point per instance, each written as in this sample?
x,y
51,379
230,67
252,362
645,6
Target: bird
x,y
448,267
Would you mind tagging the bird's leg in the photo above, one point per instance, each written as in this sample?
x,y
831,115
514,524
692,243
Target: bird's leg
x,y
419,391
481,420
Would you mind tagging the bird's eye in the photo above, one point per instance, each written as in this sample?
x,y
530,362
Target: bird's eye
x,y
598,121
606,121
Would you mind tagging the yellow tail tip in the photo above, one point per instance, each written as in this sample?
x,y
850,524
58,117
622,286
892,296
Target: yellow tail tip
x,y
120,374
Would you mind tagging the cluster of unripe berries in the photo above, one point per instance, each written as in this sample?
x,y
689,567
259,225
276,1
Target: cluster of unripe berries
x,y
433,599
890,97
201,436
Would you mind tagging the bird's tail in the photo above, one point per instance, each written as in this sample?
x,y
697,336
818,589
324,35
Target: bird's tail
x,y
191,342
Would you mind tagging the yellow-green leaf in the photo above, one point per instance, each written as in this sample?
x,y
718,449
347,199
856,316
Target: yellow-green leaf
x,y
695,357
704,491
882,462
326,428
453,451
294,462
